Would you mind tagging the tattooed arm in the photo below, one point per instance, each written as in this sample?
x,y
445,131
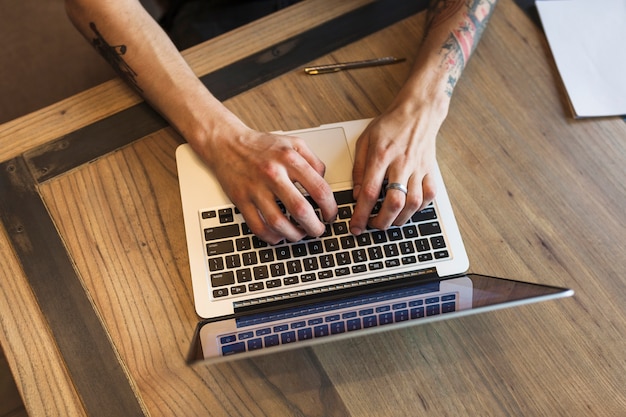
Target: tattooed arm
x,y
399,145
254,168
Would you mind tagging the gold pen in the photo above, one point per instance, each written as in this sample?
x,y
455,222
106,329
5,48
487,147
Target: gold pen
x,y
325,69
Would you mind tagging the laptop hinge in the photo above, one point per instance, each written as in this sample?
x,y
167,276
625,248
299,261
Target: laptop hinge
x,y
337,290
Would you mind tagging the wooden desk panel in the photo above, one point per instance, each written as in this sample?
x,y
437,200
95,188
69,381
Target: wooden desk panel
x,y
523,177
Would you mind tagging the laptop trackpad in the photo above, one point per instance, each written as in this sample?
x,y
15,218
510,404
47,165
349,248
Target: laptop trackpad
x,y
331,146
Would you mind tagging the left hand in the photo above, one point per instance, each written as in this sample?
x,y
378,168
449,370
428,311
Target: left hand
x,y
398,147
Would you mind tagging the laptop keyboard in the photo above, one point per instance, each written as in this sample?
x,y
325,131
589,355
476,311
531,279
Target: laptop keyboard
x,y
239,263
325,323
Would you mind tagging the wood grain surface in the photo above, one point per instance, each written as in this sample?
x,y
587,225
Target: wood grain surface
x,y
538,197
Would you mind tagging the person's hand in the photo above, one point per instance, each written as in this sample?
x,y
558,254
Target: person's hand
x,y
398,147
256,169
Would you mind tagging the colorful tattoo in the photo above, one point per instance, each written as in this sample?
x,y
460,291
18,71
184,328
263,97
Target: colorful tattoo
x,y
458,47
113,55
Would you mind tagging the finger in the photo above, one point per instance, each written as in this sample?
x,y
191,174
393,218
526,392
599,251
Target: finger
x,y
277,224
257,224
368,196
318,188
393,204
429,191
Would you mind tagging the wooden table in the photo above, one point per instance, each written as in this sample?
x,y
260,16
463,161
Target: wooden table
x,y
96,310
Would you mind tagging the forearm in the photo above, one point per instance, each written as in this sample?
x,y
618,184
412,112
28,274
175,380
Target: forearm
x,y
453,29
143,55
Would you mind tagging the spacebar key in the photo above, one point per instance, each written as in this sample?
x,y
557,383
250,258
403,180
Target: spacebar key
x,y
221,232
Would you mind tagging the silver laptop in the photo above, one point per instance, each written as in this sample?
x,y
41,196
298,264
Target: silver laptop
x,y
254,296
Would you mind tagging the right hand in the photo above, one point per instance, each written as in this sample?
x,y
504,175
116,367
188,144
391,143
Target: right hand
x,y
255,169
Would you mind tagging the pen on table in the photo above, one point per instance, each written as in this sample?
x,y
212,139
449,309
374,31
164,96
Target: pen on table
x,y
325,69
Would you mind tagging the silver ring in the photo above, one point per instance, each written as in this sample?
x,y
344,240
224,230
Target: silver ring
x,y
396,186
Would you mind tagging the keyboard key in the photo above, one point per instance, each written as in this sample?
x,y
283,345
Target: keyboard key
x,y
392,263
357,269
245,335
298,324
315,247
255,344
437,242
228,339
347,242
432,310
321,331
406,248
426,214
353,324
305,334
222,278
410,231
337,327
448,307
288,337
210,214
385,318
359,255
364,239
238,289
327,261
401,315
424,257
343,258
345,212
243,244
331,245
256,286
283,252
375,252
375,266
216,264
281,328
442,254
233,261
262,332
266,255
260,272
249,258
273,283
432,300
407,260
219,248
422,245
291,280
271,340
299,250
221,232
294,266
417,313
239,347
394,233
278,269
370,321
379,236
429,229
325,274
317,320
307,277
340,228
342,272
244,275
391,250
220,292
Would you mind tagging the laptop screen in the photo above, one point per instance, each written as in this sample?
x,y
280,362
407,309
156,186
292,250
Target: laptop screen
x,y
384,308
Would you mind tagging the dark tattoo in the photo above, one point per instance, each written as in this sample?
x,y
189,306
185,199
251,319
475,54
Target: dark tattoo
x,y
459,45
113,55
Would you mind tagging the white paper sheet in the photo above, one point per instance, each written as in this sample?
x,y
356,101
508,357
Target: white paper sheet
x,y
588,42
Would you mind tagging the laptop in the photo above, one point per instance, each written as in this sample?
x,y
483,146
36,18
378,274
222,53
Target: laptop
x,y
257,298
